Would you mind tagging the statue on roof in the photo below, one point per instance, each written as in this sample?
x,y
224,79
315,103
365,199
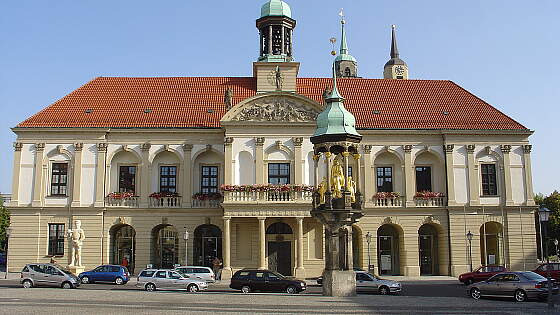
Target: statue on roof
x,y
326,93
228,98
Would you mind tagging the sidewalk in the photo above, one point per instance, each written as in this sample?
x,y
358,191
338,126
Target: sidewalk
x,y
11,275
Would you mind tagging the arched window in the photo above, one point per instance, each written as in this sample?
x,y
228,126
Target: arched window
x,y
279,228
207,244
347,72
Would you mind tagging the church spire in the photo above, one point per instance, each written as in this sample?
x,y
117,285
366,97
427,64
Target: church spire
x,y
395,68
345,64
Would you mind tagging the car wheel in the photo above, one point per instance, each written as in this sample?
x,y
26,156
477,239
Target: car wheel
x,y
27,284
192,288
67,285
150,287
520,296
245,289
119,281
475,293
291,289
85,280
383,290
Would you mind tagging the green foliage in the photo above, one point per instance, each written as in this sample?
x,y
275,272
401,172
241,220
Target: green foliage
x,y
552,202
4,222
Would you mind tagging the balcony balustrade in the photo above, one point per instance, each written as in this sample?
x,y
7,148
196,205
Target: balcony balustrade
x,y
130,202
267,196
206,203
388,202
430,202
165,202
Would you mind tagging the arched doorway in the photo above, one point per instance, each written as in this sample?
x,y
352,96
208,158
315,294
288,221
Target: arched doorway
x,y
280,248
165,246
123,245
388,250
491,243
357,247
207,245
428,249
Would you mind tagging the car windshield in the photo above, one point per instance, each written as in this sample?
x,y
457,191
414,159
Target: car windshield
x,y
66,271
533,276
278,275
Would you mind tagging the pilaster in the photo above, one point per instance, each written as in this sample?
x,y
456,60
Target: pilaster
x,y
187,175
409,176
506,149
15,177
259,160
262,243
474,194
529,196
369,178
100,174
300,270
227,272
228,161
298,162
38,180
145,175
450,171
77,181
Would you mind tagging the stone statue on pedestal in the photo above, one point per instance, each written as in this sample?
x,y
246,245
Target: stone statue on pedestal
x,y
77,237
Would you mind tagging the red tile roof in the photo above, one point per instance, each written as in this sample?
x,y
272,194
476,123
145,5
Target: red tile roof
x,y
198,102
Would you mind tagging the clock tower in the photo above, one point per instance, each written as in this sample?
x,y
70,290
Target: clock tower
x,y
275,70
395,68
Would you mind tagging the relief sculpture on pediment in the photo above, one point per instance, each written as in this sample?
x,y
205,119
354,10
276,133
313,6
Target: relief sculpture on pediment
x,y
277,109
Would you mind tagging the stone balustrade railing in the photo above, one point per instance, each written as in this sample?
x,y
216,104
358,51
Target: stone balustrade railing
x,y
268,196
165,202
131,202
389,202
430,202
206,203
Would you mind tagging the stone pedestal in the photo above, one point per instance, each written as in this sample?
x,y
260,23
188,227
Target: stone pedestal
x,y
227,273
300,273
76,269
339,283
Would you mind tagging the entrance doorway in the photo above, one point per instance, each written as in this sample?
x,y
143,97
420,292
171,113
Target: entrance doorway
x,y
279,248
388,250
123,243
280,257
207,245
165,246
428,249
491,243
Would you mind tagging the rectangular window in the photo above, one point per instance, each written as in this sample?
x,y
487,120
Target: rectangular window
x,y
168,179
56,239
127,179
384,179
278,173
59,179
209,179
423,178
488,179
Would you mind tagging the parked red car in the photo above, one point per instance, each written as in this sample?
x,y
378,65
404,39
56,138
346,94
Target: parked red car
x,y
482,273
554,271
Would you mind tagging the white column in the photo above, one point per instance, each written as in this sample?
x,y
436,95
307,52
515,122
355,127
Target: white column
x,y
448,149
38,182
298,163
145,175
15,178
227,272
409,176
100,175
259,161
77,181
507,173
529,196
300,270
474,194
187,175
262,243
369,175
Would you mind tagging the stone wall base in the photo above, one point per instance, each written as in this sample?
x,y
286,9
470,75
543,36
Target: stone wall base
x,y
339,283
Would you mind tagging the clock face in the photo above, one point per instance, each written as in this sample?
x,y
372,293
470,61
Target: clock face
x,y
399,70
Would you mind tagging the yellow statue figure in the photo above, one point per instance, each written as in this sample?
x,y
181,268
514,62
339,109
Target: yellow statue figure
x,y
322,189
352,189
337,180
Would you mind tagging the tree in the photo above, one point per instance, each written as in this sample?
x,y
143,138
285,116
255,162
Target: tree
x,y
4,223
552,202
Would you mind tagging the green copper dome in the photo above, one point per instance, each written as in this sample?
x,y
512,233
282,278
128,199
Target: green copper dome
x,y
335,121
276,8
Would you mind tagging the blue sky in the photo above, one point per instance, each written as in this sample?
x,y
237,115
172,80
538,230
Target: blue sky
x,y
502,51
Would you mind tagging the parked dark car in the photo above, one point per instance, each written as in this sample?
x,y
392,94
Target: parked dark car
x,y
2,259
554,271
518,285
249,280
482,273
106,273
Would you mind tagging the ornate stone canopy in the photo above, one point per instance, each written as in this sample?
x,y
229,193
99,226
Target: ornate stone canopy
x,y
274,108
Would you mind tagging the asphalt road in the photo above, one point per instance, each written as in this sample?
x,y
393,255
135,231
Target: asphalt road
x,y
419,297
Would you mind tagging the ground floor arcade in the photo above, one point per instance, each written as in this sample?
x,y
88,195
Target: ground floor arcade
x,y
393,242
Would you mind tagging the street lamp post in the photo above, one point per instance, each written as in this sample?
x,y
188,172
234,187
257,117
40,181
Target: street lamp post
x,y
544,215
186,238
8,232
368,240
556,245
469,238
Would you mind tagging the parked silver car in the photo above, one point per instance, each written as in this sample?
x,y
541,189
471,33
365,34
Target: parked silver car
x,y
196,272
34,275
366,282
519,285
154,279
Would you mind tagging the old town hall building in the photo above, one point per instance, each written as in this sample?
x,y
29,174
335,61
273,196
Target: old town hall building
x,y
140,161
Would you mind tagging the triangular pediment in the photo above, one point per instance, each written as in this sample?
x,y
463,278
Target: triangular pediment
x,y
276,107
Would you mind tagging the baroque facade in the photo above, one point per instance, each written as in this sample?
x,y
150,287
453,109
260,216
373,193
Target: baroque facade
x,y
141,161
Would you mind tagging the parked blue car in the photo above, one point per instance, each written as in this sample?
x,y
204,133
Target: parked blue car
x,y
106,273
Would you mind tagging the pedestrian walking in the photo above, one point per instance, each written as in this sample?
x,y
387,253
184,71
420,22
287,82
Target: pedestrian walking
x,y
217,268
